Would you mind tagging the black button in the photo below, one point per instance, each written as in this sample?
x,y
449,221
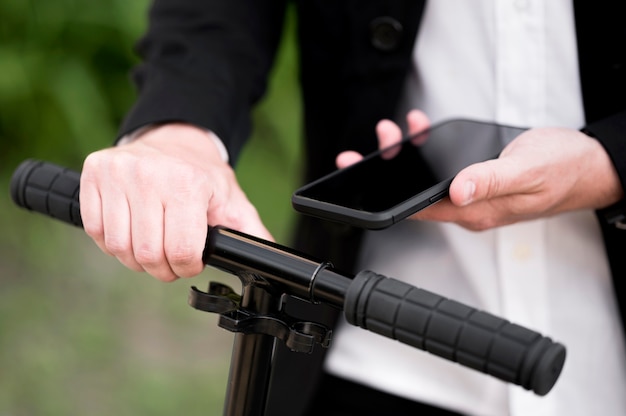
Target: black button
x,y
438,196
385,33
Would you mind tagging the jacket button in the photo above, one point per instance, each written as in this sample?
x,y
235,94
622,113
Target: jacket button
x,y
385,33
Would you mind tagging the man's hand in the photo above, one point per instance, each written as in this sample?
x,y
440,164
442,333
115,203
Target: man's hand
x,y
148,202
543,172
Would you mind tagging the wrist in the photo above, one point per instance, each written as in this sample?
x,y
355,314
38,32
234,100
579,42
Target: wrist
x,y
179,135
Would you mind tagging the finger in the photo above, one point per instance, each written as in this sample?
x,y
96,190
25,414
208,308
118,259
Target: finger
x,y
443,211
417,121
185,231
479,216
91,202
148,237
347,158
91,211
229,207
489,180
389,134
251,222
241,215
116,221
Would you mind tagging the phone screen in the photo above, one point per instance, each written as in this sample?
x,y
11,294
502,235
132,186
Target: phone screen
x,y
391,184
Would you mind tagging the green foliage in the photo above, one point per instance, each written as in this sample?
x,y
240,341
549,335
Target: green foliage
x,y
64,84
79,334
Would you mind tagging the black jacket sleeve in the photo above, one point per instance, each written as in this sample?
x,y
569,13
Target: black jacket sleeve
x,y
601,39
206,63
611,133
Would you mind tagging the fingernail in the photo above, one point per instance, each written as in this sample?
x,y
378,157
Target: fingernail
x,y
468,192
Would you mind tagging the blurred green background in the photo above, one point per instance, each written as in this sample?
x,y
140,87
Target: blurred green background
x,y
80,335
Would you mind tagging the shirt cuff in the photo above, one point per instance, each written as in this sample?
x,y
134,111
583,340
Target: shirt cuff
x,y
130,137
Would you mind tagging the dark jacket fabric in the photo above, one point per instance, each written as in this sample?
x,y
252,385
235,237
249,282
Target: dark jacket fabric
x,y
206,63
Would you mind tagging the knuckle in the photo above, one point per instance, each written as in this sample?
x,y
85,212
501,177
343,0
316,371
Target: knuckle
x,y
185,261
190,183
142,169
191,270
92,165
116,245
94,230
181,256
103,161
186,174
92,161
233,218
148,257
225,211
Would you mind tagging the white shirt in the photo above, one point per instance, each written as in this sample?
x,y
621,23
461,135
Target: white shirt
x,y
514,62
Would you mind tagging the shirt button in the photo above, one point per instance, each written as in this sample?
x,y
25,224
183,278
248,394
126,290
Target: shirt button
x,y
385,33
522,252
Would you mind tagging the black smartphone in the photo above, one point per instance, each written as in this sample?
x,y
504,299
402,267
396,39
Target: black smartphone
x,y
394,183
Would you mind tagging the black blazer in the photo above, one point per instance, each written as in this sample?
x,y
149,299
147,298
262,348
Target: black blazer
x,y
206,63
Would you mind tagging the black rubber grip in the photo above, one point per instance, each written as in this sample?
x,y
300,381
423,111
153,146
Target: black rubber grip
x,y
454,331
48,189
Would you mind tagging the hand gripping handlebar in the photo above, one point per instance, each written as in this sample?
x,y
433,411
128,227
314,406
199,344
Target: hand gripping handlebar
x,y
386,306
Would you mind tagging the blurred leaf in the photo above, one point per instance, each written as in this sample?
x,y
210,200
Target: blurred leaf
x,y
64,84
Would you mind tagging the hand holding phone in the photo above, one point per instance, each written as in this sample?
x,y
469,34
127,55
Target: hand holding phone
x,y
393,183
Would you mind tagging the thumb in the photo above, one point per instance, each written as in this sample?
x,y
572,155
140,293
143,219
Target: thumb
x,y
485,180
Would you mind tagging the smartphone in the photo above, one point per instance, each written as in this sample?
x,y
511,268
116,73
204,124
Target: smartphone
x,y
393,183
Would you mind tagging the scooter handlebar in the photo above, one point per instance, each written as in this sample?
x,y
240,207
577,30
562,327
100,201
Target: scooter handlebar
x,y
386,306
